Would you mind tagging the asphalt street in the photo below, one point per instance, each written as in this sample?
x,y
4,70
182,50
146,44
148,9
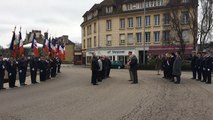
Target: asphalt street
x,y
70,96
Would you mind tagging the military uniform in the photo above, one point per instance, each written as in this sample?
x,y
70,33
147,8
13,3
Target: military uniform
x,y
203,69
11,69
42,69
194,66
208,69
33,69
22,70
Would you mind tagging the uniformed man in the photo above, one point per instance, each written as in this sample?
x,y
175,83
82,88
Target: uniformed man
x,y
208,68
48,68
94,67
198,66
203,66
33,69
58,64
11,69
2,73
22,70
42,68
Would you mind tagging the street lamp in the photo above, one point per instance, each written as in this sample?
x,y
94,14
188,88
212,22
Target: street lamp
x,y
144,56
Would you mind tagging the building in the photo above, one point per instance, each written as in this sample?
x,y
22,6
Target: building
x,y
114,27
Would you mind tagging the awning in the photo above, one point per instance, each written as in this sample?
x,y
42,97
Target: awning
x,y
158,50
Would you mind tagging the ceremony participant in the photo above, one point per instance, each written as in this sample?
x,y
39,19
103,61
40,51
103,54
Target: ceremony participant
x,y
48,68
198,66
209,66
203,67
176,72
58,64
194,65
22,70
42,68
100,70
128,63
108,66
94,67
11,69
133,68
2,72
33,69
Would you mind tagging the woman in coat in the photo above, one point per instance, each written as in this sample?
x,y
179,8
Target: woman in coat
x,y
176,72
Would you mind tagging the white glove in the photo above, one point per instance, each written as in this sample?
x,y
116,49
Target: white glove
x,y
41,70
20,71
33,69
10,74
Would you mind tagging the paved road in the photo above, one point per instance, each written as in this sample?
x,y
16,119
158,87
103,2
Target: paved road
x,y
70,96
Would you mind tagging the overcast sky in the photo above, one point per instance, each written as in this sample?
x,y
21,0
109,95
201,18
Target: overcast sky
x,y
59,17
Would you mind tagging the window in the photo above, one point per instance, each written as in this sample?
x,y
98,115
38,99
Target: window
x,y
147,37
185,35
129,6
94,27
89,43
108,24
138,19
130,22
84,32
109,9
185,17
139,37
84,44
147,21
166,35
166,19
122,23
89,30
95,42
157,20
108,40
157,36
122,39
130,38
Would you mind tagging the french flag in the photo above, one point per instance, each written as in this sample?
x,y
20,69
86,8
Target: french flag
x,y
34,46
61,52
12,44
46,45
21,46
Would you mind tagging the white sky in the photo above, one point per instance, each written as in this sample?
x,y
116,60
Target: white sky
x,y
59,17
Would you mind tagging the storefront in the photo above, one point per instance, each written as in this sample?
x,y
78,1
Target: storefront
x,y
115,53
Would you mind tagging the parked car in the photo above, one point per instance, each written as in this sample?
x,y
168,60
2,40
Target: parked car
x,y
117,64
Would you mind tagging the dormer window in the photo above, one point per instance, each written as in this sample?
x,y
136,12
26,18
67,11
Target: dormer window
x,y
109,9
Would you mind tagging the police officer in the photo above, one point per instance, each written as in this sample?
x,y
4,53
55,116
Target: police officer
x,y
33,69
42,68
2,69
11,69
194,65
208,68
22,69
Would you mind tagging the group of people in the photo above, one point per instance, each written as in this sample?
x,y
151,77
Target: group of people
x,y
202,65
171,66
48,67
100,67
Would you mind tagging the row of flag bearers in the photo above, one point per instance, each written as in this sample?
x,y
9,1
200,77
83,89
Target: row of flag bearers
x,y
47,67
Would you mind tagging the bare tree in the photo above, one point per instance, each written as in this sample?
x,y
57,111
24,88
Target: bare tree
x,y
206,22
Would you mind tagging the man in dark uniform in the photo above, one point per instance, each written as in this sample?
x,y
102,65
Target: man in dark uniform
x,y
94,67
53,67
11,69
208,68
203,66
198,66
48,68
108,66
58,64
33,69
2,69
42,68
194,65
22,69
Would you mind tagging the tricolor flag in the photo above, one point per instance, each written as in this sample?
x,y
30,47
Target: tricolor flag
x,y
61,52
53,47
46,45
12,45
34,46
21,46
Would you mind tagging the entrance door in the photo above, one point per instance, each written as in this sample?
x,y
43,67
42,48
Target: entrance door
x,y
141,57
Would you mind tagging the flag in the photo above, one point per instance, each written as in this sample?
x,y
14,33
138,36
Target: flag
x,y
46,45
20,45
34,46
49,45
12,45
61,53
53,47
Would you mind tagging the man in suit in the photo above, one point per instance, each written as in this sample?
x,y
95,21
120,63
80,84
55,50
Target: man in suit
x,y
208,63
33,69
194,65
198,66
22,69
94,67
11,69
2,69
42,68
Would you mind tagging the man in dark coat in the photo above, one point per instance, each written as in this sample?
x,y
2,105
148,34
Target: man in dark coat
x,y
176,72
2,73
33,69
133,67
42,68
22,69
194,65
11,69
198,66
203,67
208,68
94,67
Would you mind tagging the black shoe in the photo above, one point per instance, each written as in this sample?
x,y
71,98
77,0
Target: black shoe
x,y
208,83
177,82
95,84
15,86
2,88
23,84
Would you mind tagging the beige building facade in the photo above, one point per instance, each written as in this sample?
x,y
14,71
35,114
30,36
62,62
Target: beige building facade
x,y
115,27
